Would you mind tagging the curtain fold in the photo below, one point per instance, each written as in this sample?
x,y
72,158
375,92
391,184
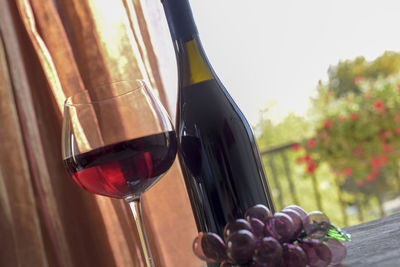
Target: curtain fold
x,y
50,50
20,226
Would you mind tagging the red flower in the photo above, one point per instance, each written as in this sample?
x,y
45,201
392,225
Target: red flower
x,y
378,161
358,151
386,148
383,159
353,116
360,183
296,147
370,178
325,135
375,162
311,166
342,118
385,134
397,130
374,173
347,171
299,160
311,143
358,79
379,105
328,124
307,158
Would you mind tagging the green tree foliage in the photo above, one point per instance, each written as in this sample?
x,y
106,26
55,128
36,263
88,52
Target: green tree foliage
x,y
350,140
343,77
359,136
357,127
291,128
358,118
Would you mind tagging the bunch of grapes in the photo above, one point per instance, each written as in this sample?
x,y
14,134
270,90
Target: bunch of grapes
x,y
289,238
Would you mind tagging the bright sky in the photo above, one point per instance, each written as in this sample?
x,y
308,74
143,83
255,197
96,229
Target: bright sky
x,y
276,51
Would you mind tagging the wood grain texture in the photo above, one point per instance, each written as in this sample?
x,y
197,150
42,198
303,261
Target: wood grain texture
x,y
375,243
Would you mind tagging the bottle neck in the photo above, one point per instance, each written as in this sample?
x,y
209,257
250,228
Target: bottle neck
x,y
180,19
193,66
192,62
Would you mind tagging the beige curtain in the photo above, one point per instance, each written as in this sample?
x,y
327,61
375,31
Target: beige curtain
x,y
50,50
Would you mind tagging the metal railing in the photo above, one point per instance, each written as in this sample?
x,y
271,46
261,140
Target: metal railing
x,y
272,156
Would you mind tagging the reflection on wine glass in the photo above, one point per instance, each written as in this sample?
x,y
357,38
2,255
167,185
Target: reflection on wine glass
x,y
118,143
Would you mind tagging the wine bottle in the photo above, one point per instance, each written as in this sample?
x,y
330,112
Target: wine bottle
x,y
218,154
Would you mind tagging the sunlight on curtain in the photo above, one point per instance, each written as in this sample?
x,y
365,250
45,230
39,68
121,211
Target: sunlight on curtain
x,y
54,49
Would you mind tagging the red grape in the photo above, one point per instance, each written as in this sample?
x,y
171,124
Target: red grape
x,y
297,221
240,246
338,250
316,224
209,247
233,227
318,254
280,226
294,256
268,252
290,238
258,227
302,212
259,211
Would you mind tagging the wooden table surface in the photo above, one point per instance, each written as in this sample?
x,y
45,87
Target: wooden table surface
x,y
375,243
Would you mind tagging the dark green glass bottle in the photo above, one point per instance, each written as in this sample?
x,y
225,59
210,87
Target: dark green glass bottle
x,y
217,150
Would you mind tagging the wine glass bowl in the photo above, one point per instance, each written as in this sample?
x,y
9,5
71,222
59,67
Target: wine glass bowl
x,y
118,141
120,145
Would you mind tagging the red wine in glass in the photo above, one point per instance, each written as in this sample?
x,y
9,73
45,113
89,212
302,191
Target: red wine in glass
x,y
125,168
118,141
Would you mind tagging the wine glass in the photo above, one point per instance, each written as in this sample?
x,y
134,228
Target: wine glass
x,y
118,141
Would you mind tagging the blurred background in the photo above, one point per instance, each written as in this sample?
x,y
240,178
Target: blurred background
x,y
319,83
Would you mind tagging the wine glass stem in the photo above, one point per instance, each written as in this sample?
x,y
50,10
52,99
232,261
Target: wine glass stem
x,y
134,203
